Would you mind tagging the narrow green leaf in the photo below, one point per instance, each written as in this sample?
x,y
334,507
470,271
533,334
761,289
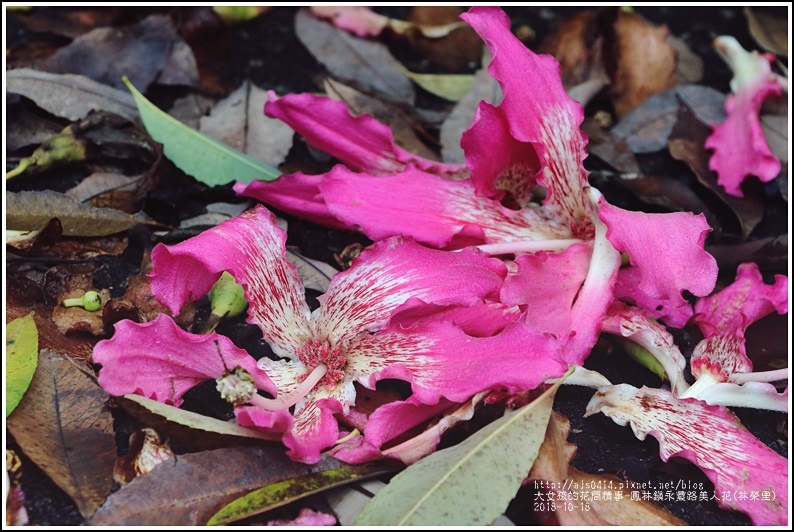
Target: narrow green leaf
x,y
22,357
141,407
471,483
287,491
451,87
208,160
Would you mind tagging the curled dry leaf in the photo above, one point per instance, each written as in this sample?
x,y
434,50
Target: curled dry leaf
x,y
22,241
603,47
438,34
188,489
63,425
146,450
367,65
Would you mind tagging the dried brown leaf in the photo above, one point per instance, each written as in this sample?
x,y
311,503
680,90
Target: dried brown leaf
x,y
577,44
190,488
239,121
365,64
769,253
29,210
64,426
624,512
769,31
70,96
142,52
646,62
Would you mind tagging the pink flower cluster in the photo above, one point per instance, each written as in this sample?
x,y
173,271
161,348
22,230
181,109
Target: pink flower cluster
x,y
493,276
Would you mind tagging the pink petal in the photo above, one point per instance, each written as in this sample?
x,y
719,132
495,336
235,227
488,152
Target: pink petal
x,y
306,518
393,419
297,194
499,163
538,111
740,148
724,317
252,416
481,319
709,436
547,283
358,20
355,451
634,324
361,142
431,209
160,361
667,248
251,248
721,356
440,360
675,313
315,428
421,445
745,301
383,277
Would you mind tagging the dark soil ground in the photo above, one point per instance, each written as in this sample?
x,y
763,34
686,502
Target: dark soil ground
x,y
266,51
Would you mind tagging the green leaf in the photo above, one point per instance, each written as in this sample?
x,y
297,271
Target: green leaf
x,y
471,483
287,491
451,87
142,408
208,160
22,357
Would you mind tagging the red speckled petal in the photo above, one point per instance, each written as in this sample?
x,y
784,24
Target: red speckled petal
x,y
251,248
712,438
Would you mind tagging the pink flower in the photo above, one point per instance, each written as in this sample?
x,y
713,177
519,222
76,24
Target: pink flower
x,y
740,148
350,338
530,141
719,362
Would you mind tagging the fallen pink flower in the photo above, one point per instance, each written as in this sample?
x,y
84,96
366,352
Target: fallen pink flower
x,y
719,362
350,338
740,148
713,439
531,138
